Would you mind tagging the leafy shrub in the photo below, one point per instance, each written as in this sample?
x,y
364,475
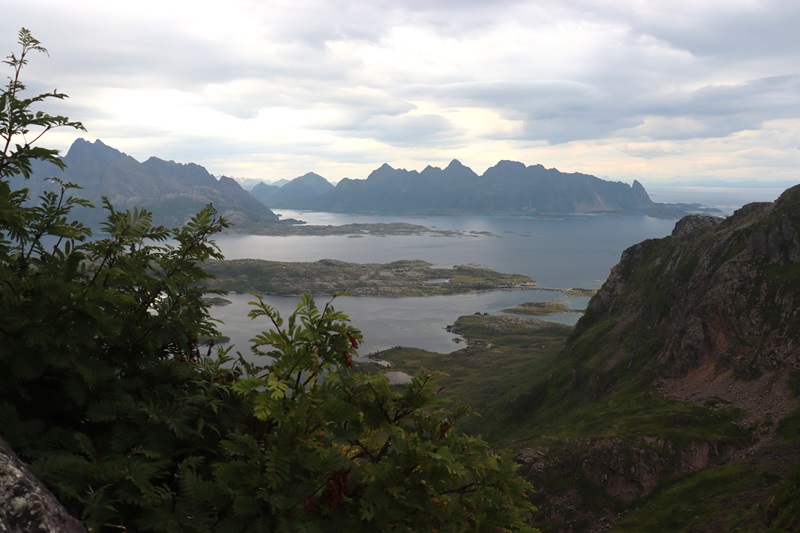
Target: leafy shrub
x,y
106,390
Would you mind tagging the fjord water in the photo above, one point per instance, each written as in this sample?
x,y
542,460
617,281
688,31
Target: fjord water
x,y
725,199
558,253
561,252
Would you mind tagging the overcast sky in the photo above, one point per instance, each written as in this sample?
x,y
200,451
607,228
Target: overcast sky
x,y
624,89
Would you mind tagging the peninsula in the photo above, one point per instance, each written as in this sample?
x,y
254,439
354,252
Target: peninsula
x,y
329,276
292,228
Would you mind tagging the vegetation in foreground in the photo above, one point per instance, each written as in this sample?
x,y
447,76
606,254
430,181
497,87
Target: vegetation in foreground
x,y
105,391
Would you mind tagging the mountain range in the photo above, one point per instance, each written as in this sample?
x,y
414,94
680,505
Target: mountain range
x,y
248,183
673,405
172,191
175,191
299,191
507,188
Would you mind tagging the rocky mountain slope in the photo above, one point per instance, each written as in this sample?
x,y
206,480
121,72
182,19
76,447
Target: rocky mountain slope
x,y
172,191
508,188
684,372
708,311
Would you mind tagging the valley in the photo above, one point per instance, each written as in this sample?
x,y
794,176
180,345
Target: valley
x,y
674,402
523,349
609,446
668,391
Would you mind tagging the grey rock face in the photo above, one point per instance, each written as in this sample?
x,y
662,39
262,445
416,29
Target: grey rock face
x,y
694,223
717,291
25,503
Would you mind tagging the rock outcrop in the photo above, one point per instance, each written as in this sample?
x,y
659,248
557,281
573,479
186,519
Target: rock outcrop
x,y
713,310
25,503
686,359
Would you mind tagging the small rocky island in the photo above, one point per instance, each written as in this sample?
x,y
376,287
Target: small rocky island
x,y
329,276
296,228
550,307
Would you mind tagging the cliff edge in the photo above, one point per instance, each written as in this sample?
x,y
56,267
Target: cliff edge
x,y
675,402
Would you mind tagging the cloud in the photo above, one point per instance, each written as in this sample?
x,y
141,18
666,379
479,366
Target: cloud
x,y
421,80
410,129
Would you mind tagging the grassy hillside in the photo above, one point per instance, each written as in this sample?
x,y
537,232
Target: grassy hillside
x,y
634,453
674,404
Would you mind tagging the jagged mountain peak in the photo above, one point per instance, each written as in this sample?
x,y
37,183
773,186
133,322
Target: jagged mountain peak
x,y
458,169
506,165
507,188
640,193
174,192
97,144
299,193
387,172
96,150
386,167
310,177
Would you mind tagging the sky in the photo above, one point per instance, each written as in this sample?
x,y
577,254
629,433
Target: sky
x,y
669,93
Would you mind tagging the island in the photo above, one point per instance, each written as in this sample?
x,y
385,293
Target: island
x,y
330,276
296,228
577,291
550,307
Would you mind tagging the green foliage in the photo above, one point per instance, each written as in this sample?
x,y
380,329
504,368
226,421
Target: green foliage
x,y
20,125
789,427
784,509
503,359
702,502
106,391
344,450
632,415
794,382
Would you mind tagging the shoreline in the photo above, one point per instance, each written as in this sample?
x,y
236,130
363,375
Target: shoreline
x,y
406,278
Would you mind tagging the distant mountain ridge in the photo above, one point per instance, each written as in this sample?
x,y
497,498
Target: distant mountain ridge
x,y
172,191
296,192
508,188
176,191
248,183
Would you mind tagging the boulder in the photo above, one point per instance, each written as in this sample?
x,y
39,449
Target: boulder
x,y
26,505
